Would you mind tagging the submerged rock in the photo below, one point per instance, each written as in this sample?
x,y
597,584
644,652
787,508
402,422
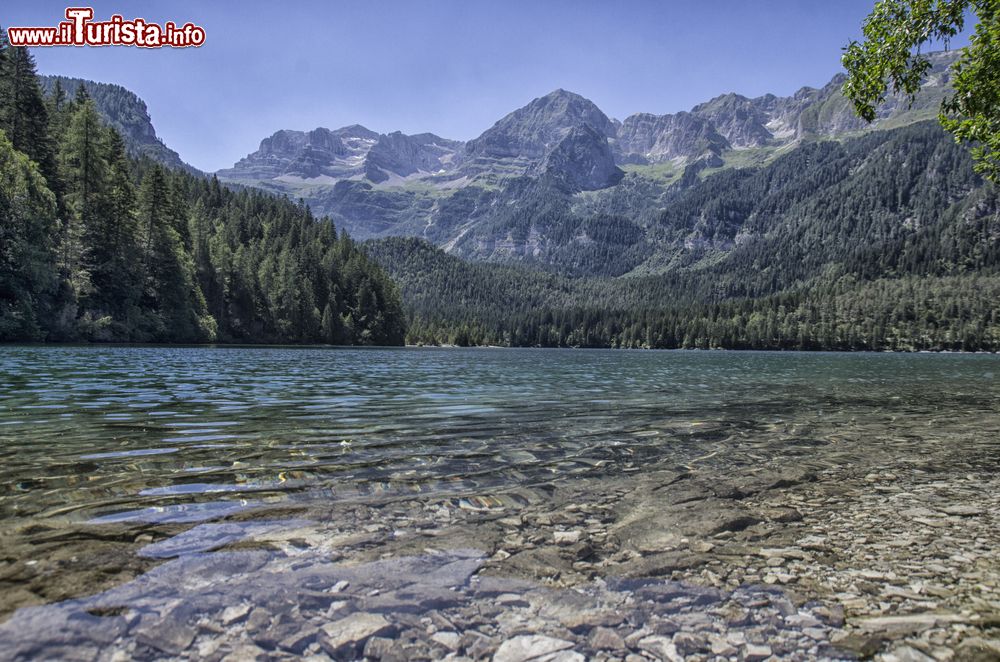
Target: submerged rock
x,y
529,647
352,631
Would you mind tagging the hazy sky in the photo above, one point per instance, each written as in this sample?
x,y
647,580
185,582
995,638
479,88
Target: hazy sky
x,y
452,67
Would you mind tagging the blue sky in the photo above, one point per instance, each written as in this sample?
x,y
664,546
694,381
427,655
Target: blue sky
x,y
452,67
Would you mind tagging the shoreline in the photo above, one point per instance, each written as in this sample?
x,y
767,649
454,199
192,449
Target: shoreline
x,y
710,349
218,345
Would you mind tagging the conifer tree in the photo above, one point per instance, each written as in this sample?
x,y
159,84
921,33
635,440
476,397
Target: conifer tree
x,y
23,114
85,169
171,290
27,273
113,238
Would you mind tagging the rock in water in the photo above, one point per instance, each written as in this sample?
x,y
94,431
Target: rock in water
x,y
528,647
352,631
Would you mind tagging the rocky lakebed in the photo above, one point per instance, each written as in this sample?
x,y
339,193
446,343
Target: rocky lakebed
x,y
864,546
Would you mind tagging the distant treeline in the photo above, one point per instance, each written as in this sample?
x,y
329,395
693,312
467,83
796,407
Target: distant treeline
x,y
458,303
98,246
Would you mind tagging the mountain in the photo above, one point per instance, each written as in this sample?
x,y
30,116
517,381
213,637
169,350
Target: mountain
x,y
884,241
351,152
741,121
767,222
317,154
823,112
545,136
549,135
461,195
529,132
644,138
127,113
398,156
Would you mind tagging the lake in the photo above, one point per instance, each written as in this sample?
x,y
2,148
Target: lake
x,y
109,438
117,433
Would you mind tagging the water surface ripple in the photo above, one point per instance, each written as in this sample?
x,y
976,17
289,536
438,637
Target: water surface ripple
x,y
107,434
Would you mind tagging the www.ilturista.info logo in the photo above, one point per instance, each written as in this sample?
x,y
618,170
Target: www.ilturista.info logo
x,y
80,30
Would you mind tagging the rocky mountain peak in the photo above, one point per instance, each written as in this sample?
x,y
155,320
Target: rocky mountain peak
x,y
400,155
357,131
286,143
530,131
582,160
737,118
320,152
363,178
646,138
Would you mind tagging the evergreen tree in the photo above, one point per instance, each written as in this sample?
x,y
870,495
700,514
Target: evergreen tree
x,y
113,238
23,114
171,290
331,326
27,273
85,169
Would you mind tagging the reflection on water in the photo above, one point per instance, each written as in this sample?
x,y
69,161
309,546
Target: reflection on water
x,y
115,434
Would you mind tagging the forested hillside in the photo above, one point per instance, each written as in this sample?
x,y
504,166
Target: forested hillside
x,y
125,112
450,301
95,245
886,241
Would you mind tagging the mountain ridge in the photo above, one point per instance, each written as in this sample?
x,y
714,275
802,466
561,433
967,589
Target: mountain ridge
x,y
550,181
407,178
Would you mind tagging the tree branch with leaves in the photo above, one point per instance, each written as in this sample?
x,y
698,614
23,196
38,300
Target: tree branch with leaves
x,y
889,61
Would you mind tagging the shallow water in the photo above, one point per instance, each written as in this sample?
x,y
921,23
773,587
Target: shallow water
x,y
115,434
213,502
